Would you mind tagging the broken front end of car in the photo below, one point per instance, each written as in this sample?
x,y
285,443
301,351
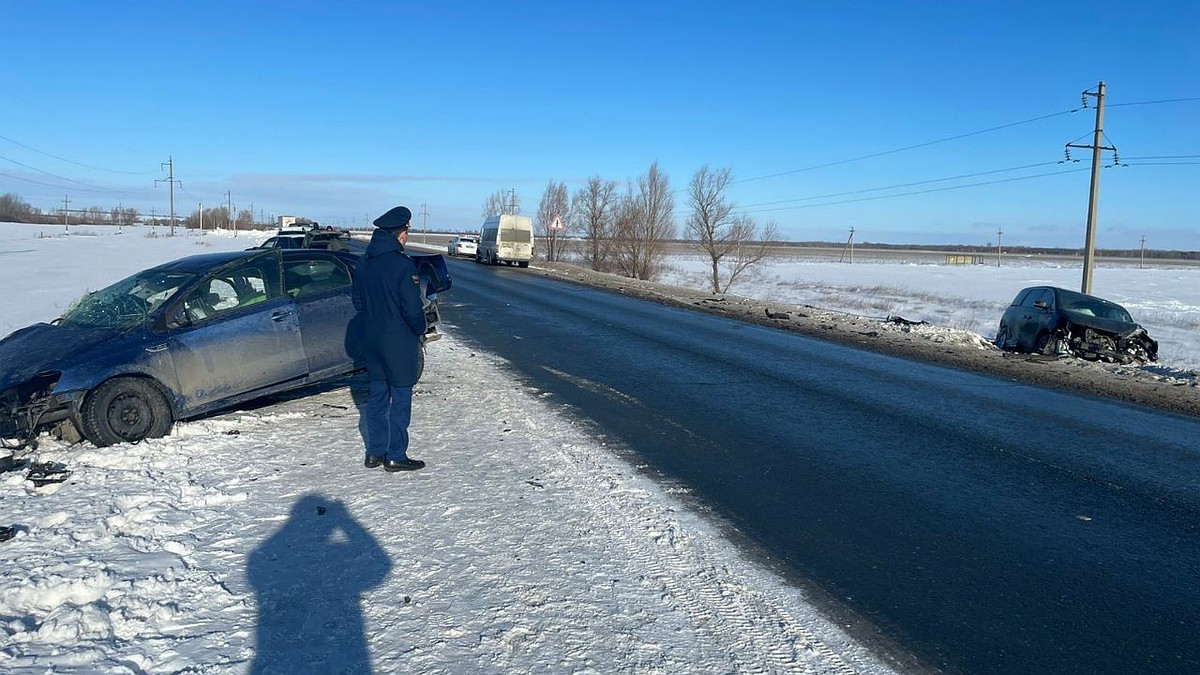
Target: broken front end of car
x,y
1097,344
31,406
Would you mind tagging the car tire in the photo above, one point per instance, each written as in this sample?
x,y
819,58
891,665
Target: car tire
x,y
125,410
1002,338
524,263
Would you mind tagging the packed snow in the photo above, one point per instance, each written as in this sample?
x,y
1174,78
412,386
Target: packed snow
x,y
255,541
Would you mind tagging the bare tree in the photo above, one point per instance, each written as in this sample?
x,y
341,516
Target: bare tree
x,y
124,215
14,208
245,220
553,219
732,244
501,203
592,213
646,221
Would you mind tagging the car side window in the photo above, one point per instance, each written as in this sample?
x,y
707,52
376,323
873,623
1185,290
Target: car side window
x,y
1039,294
302,278
229,290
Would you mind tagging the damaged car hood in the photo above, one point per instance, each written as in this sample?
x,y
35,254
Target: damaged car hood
x,y
42,346
1114,326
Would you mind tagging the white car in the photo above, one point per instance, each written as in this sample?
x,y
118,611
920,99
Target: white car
x,y
466,244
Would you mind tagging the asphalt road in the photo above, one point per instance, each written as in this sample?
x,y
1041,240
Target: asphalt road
x,y
985,525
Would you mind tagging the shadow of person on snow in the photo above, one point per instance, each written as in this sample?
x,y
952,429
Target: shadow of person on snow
x,y
360,387
308,578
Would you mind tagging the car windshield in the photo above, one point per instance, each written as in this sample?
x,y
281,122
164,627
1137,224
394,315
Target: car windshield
x,y
1090,307
127,302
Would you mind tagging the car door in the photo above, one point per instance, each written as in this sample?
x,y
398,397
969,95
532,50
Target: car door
x,y
321,284
1036,311
235,333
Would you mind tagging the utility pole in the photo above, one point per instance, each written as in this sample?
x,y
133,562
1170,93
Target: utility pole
x,y
1142,259
200,212
170,181
849,247
66,223
999,248
229,213
120,217
1089,251
512,202
424,220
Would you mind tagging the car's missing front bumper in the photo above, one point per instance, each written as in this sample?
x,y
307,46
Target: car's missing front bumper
x,y
31,406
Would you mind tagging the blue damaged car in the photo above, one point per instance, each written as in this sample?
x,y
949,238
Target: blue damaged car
x,y
183,339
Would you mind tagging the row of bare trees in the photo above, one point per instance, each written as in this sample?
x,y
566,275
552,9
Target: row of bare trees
x,y
627,231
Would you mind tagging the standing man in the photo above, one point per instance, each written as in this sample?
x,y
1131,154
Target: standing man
x,y
387,291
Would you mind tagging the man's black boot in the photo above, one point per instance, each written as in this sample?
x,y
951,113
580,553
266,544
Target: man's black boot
x,y
403,465
372,461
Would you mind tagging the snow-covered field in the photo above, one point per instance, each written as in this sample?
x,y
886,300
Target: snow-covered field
x,y
255,541
1164,298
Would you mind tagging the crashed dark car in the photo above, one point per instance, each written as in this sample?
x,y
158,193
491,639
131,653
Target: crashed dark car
x,y
1050,320
184,339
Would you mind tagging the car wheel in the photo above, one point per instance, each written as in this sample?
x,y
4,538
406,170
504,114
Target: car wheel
x,y
1002,338
125,410
524,263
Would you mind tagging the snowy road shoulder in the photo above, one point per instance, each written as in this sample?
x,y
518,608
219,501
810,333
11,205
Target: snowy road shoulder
x,y
257,538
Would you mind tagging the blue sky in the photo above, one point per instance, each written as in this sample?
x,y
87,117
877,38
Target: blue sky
x,y
339,111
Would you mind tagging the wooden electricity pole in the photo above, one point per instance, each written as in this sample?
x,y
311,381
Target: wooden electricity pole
x,y
170,181
1089,251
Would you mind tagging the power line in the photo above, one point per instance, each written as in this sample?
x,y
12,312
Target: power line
x,y
1161,164
75,189
69,161
1165,100
908,147
95,188
901,185
920,192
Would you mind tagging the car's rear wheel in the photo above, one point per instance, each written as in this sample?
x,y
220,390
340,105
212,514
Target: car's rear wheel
x,y
125,410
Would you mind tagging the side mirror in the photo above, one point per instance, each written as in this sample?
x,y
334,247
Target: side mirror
x,y
1041,304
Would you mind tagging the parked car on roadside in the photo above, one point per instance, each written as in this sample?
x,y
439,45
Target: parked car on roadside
x,y
1051,320
334,239
285,239
186,338
466,244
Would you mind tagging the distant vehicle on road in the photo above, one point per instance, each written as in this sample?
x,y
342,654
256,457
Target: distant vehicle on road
x,y
506,239
1051,320
467,244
